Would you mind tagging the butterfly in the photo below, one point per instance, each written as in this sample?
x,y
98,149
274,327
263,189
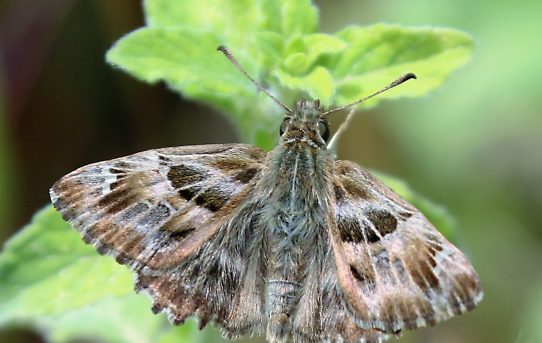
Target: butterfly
x,y
290,244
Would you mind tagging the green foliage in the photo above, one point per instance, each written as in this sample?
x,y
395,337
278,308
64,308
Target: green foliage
x,y
49,279
530,330
54,260
53,281
277,42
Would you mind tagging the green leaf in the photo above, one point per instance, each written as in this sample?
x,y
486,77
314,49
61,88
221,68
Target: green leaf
x,y
270,47
529,320
376,55
189,333
299,17
318,84
48,257
289,18
124,318
228,17
175,56
179,42
284,52
51,280
178,47
188,62
304,51
319,44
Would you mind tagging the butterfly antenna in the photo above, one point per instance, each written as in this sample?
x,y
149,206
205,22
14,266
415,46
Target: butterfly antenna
x,y
395,83
346,122
233,60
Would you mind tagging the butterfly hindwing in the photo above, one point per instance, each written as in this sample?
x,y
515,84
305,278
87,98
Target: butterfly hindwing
x,y
221,282
395,269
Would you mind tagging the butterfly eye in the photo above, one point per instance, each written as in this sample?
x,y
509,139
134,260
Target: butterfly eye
x,y
323,130
284,125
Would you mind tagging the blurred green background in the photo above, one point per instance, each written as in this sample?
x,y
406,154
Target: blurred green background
x,y
474,145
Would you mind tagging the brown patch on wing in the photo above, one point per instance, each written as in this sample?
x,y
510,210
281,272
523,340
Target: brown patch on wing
x,y
239,167
408,308
383,221
350,227
365,276
245,176
199,184
350,230
400,272
372,185
178,233
189,193
466,285
230,164
110,237
127,191
72,193
420,262
355,189
212,199
345,185
436,270
182,175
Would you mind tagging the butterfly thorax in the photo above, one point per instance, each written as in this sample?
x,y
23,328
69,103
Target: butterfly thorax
x,y
297,183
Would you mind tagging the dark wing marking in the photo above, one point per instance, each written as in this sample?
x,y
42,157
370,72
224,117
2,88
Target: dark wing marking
x,y
395,269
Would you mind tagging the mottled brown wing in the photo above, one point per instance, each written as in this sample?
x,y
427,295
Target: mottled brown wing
x,y
165,213
395,269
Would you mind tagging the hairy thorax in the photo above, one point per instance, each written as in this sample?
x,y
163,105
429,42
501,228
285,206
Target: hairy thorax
x,y
294,228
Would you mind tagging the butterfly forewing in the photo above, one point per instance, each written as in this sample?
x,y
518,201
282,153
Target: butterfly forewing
x,y
395,269
154,209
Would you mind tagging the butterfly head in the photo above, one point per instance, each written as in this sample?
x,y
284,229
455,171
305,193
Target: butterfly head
x,y
305,123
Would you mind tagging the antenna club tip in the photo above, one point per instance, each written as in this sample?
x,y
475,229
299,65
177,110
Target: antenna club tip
x,y
222,48
409,76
